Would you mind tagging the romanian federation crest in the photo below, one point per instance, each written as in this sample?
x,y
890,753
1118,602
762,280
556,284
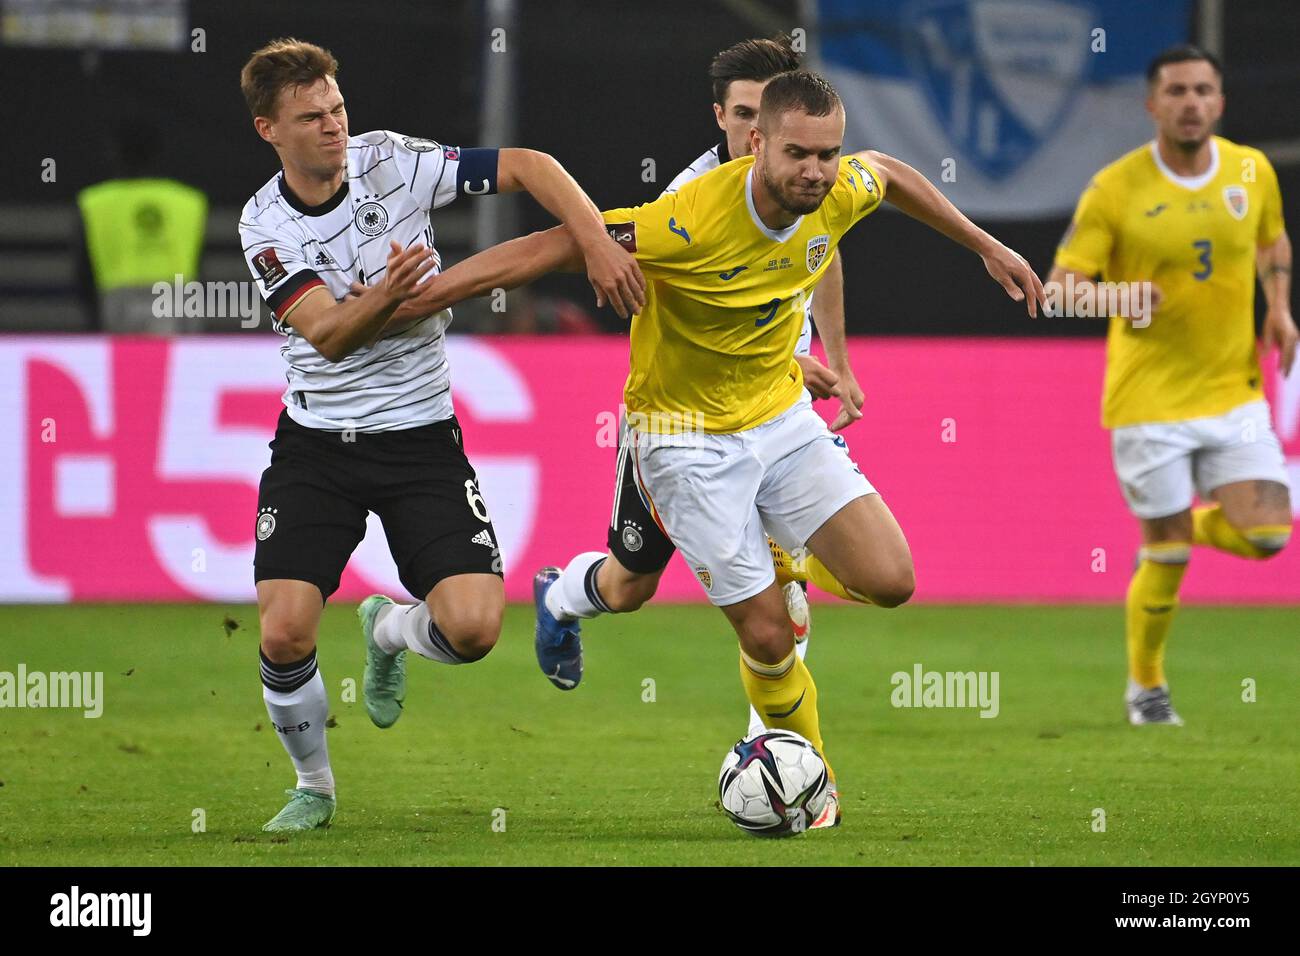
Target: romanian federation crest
x,y
1237,200
817,247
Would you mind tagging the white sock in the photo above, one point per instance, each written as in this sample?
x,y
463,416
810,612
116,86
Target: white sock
x,y
574,593
402,627
756,724
296,700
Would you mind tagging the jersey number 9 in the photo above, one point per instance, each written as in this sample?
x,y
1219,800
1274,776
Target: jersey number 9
x,y
769,313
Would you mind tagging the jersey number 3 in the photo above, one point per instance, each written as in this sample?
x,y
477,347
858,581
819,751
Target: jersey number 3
x,y
1205,247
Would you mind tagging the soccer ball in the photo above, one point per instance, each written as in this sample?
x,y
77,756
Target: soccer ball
x,y
773,783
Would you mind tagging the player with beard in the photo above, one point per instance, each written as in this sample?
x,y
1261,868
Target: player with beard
x,y
623,578
724,450
1198,217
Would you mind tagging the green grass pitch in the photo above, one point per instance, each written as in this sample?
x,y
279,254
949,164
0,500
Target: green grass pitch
x,y
602,776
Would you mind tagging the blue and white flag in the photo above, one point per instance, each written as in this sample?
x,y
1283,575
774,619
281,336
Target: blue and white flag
x,y
1009,106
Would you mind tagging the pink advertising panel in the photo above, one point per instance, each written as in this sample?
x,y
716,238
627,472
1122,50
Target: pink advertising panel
x,y
131,465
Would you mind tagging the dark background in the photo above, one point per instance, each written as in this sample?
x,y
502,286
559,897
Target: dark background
x,y
601,86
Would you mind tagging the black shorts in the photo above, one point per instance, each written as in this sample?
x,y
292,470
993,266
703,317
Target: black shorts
x,y
314,497
635,538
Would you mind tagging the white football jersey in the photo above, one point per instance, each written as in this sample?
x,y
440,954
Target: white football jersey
x,y
701,166
391,185
710,160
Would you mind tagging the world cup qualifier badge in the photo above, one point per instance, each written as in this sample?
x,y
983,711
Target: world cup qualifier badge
x,y
624,233
267,265
371,218
266,522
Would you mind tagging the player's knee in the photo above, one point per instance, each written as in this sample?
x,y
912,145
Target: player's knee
x,y
895,588
285,640
769,641
1270,540
630,591
472,631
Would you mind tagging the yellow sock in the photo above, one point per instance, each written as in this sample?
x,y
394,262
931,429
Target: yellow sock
x,y
1149,610
785,697
1211,529
821,576
809,568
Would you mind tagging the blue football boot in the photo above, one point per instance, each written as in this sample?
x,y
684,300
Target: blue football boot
x,y
559,645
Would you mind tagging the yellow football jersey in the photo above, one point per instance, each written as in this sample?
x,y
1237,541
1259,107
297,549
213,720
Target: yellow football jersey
x,y
713,349
1196,239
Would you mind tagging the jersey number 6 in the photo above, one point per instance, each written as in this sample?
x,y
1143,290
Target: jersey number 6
x,y
476,502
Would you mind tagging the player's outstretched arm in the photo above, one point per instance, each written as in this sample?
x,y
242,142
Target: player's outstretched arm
x,y
505,266
1274,266
337,329
915,195
613,271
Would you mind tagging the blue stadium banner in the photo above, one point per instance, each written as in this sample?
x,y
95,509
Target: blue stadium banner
x,y
1009,105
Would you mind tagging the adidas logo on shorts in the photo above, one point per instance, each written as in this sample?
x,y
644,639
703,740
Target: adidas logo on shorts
x,y
484,539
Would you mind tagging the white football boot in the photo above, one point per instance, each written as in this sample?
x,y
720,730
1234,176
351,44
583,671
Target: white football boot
x,y
830,815
796,605
1149,705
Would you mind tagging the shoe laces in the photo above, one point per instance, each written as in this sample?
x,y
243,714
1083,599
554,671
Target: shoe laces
x,y
562,631
1156,706
387,676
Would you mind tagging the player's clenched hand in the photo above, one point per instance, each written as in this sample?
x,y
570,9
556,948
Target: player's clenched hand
x,y
851,399
1010,270
1280,330
406,267
615,276
821,381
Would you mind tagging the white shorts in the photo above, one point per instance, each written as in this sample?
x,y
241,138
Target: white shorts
x,y
715,495
1160,465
